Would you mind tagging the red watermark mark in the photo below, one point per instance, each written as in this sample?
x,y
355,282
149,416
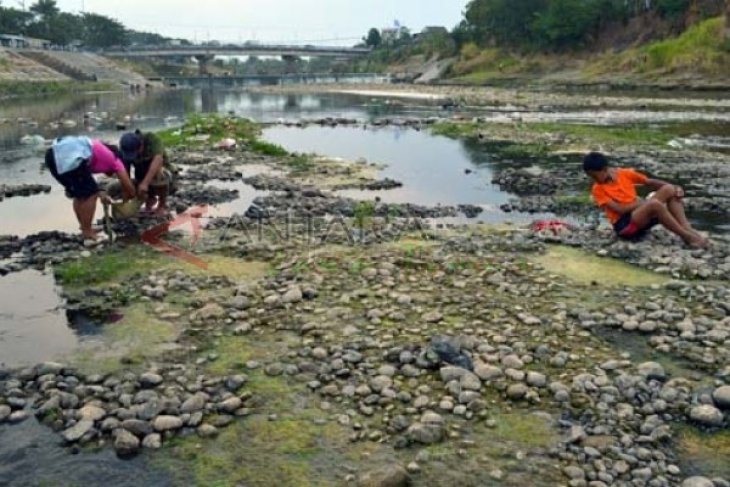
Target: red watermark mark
x,y
192,216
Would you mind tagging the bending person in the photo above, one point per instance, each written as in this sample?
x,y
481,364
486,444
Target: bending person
x,y
152,172
73,161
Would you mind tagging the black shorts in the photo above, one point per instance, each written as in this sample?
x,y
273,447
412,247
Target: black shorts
x,y
79,183
628,230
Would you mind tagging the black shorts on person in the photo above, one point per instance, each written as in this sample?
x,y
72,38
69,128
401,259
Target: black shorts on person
x,y
628,230
79,183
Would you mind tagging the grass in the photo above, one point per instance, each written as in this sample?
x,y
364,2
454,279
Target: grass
x,y
105,267
697,51
267,148
40,88
629,135
704,452
587,269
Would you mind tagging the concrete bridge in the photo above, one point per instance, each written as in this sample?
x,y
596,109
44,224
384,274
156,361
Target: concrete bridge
x,y
254,80
248,49
206,53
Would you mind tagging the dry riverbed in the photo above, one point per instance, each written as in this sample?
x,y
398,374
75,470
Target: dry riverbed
x,y
369,349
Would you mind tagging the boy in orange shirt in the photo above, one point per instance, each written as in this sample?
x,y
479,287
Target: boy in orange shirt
x,y
614,190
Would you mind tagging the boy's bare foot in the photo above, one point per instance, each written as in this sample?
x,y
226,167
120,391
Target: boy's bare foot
x,y
161,211
699,243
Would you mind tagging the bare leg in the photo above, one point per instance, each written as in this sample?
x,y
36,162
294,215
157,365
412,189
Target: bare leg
x,y
161,193
85,210
643,215
667,195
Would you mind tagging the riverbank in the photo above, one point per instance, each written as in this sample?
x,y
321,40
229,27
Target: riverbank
x,y
368,345
29,89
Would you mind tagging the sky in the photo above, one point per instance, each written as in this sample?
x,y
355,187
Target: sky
x,y
335,21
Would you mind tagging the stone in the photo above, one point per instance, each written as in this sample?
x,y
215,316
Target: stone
x,y
239,302
381,382
425,434
652,370
706,415
432,317
207,431
517,391
149,380
137,427
230,405
293,295
387,476
167,423
450,373
18,417
274,369
512,362
536,379
470,382
153,441
77,431
4,412
488,372
698,482
125,443
210,312
194,403
573,472
93,413
721,396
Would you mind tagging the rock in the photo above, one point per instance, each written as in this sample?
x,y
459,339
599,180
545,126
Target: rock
x,y
470,382
573,472
536,379
230,405
706,415
153,441
517,391
239,302
274,369
488,372
207,431
210,312
293,295
652,370
426,434
432,317
46,368
698,482
167,423
721,396
380,382
125,443
4,412
77,431
450,373
93,413
448,350
137,427
18,417
149,380
387,476
512,362
194,403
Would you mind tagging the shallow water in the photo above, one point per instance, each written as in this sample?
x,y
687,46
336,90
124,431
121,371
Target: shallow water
x,y
33,324
31,455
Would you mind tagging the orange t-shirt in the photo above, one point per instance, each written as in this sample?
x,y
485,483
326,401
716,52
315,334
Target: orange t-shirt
x,y
622,190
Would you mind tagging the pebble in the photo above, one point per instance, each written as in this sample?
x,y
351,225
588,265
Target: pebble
x,y
167,423
706,415
125,443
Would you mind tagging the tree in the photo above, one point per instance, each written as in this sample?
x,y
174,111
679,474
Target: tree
x,y
13,21
507,22
566,23
373,39
101,31
45,9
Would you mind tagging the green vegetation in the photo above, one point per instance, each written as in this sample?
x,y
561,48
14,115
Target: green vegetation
x,y
268,148
704,452
102,267
43,88
587,269
45,20
698,50
631,135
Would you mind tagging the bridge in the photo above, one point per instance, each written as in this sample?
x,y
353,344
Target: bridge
x,y
248,49
206,53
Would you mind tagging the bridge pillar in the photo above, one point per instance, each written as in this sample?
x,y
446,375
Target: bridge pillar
x,y
290,64
203,61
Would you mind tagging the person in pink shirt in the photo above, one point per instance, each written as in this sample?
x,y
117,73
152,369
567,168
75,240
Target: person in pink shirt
x,y
73,161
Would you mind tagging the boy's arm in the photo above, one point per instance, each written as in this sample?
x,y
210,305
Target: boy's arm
x,y
127,186
623,209
657,184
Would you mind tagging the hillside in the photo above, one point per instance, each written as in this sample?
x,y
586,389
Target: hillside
x,y
700,56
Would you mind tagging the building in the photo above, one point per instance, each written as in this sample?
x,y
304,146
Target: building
x,y
22,42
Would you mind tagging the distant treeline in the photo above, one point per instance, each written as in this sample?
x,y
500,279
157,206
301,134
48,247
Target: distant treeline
x,y
45,20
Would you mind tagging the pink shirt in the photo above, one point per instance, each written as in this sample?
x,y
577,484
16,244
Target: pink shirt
x,y
103,160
